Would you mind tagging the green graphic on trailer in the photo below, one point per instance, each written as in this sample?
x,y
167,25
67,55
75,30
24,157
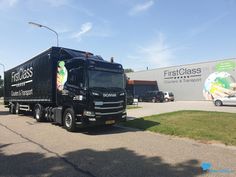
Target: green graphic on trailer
x,y
62,75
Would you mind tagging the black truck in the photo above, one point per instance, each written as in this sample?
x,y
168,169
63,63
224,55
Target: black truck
x,y
69,87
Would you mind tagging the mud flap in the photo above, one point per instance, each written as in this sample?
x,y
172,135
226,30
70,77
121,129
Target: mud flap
x,y
58,115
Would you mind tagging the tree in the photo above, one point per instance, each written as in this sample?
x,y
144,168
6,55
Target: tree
x,y
129,70
1,86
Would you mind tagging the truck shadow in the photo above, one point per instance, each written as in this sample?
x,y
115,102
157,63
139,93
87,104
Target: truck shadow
x,y
102,130
141,123
123,127
4,113
92,163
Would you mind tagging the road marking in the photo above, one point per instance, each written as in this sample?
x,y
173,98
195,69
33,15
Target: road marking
x,y
76,168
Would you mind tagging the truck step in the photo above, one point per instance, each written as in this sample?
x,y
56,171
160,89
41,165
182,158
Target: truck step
x,y
24,107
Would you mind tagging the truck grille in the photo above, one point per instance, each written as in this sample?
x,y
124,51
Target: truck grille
x,y
108,107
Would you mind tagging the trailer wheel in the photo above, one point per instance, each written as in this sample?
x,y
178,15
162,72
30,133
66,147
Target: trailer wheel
x,y
38,113
18,108
69,120
12,109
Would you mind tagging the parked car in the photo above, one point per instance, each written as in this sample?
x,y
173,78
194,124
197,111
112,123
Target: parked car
x,y
169,96
153,96
230,100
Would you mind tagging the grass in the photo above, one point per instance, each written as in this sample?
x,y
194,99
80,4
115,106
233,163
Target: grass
x,y
199,125
133,107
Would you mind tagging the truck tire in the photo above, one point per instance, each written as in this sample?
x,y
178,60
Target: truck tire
x,y
18,108
69,120
12,109
38,113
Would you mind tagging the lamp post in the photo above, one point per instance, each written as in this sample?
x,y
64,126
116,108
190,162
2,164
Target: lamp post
x,y
3,66
43,26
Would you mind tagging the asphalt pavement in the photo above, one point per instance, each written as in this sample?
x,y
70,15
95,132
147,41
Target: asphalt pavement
x,y
159,108
28,148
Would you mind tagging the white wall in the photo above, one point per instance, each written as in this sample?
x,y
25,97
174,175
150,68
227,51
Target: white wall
x,y
186,81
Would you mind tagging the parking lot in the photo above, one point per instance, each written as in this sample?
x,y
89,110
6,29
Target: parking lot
x,y
28,148
158,108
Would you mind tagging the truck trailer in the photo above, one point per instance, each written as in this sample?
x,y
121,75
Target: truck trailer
x,y
69,87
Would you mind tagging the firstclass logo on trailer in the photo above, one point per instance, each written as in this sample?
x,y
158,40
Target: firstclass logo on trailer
x,y
22,74
20,79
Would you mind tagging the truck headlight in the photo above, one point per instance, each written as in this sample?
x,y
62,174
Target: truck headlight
x,y
95,93
89,113
122,94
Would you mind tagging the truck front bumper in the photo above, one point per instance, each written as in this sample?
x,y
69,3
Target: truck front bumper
x,y
87,121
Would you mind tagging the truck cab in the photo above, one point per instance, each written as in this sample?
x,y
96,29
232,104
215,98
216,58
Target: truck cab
x,y
94,89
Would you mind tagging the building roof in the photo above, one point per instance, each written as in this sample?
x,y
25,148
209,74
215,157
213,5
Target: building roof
x,y
141,82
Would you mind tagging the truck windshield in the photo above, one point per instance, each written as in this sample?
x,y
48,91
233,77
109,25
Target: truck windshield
x,y
105,79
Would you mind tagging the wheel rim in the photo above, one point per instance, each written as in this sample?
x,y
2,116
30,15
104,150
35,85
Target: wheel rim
x,y
17,109
218,103
68,120
37,112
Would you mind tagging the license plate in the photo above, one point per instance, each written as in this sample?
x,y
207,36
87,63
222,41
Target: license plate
x,y
110,122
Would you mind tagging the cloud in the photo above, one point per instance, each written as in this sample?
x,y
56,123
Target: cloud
x,y
84,29
141,7
154,55
8,3
57,3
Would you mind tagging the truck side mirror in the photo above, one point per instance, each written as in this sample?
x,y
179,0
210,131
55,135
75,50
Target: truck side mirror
x,y
81,85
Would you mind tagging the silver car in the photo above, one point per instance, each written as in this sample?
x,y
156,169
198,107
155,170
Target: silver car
x,y
230,100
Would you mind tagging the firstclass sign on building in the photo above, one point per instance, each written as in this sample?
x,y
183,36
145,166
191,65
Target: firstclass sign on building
x,y
181,75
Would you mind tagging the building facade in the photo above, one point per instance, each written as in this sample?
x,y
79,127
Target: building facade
x,y
199,81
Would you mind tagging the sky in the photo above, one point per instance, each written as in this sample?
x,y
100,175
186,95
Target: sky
x,y
137,33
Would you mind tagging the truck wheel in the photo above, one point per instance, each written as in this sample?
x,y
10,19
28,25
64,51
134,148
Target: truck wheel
x,y
18,108
38,113
12,109
166,99
69,120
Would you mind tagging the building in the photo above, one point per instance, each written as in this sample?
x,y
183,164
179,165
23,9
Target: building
x,y
138,88
199,81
